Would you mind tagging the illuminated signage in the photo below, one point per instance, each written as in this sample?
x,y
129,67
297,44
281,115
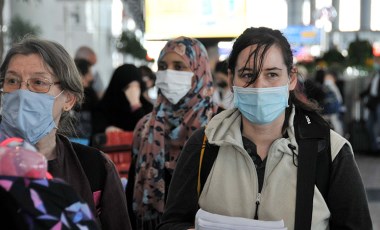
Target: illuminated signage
x,y
194,18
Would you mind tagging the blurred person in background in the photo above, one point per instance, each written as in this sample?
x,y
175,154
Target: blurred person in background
x,y
313,86
85,52
85,113
311,90
184,104
329,98
40,86
123,103
222,94
371,97
149,78
333,106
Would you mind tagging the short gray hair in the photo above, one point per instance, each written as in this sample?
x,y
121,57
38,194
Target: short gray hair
x,y
56,58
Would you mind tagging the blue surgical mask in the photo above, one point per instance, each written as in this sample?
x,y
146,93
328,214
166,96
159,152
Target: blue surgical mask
x,y
261,105
27,115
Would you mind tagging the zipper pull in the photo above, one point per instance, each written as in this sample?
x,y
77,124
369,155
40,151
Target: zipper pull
x,y
258,199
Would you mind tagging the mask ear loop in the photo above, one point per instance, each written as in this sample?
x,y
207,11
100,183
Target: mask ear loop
x,y
59,94
55,125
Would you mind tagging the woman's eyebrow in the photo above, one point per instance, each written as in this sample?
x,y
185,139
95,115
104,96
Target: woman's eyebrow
x,y
33,74
41,73
273,69
11,72
241,70
178,62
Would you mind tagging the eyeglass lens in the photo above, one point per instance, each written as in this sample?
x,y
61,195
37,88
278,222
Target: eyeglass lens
x,y
35,84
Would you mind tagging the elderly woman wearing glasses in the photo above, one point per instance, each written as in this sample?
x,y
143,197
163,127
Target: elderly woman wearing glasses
x,y
40,85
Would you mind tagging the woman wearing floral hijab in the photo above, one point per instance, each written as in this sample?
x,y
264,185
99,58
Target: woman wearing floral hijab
x,y
184,104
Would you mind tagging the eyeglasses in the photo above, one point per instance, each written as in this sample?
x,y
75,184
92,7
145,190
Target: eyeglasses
x,y
34,84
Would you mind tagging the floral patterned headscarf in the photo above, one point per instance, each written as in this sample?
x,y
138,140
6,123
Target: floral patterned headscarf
x,y
160,136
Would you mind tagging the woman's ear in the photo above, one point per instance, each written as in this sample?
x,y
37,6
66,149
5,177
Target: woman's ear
x,y
293,78
69,101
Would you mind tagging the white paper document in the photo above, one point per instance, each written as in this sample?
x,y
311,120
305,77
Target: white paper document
x,y
209,221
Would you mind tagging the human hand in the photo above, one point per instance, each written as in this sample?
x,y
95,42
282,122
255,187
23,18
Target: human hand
x,y
133,93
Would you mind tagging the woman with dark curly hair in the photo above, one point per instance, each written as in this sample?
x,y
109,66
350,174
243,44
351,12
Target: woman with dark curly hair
x,y
258,160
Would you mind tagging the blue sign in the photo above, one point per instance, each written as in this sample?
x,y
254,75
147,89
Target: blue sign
x,y
303,35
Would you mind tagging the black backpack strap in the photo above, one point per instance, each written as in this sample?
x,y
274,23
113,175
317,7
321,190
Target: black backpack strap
x,y
313,139
93,165
208,154
323,167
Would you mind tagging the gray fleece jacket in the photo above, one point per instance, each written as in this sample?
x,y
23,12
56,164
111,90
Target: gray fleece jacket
x,y
278,196
231,187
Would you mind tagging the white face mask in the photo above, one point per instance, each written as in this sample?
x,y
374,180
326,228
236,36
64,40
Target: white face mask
x,y
173,84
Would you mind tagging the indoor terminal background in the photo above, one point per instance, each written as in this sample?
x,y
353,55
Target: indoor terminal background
x,y
313,26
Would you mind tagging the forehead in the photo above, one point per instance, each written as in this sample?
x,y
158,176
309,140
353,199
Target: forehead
x,y
273,57
172,57
30,63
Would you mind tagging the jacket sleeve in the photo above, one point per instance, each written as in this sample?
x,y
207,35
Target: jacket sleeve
x,y
114,213
346,198
182,201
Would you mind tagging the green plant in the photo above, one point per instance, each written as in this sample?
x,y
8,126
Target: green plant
x,y
19,27
359,51
129,44
333,56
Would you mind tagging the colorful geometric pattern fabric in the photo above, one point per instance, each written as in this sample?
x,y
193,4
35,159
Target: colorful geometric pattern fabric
x,y
48,204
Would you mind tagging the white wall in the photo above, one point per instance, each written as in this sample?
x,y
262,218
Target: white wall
x,y
72,23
